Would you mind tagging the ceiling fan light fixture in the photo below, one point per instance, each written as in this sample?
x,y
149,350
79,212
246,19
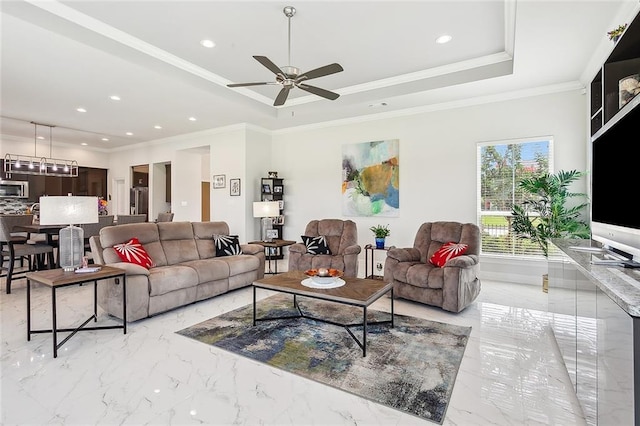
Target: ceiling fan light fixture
x,y
289,76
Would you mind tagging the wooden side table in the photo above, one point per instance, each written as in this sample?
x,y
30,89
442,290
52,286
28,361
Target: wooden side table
x,y
369,252
273,244
57,278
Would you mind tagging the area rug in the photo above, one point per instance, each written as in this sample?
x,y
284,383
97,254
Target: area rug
x,y
411,367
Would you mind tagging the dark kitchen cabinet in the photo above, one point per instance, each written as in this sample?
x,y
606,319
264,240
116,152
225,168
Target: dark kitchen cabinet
x,y
90,182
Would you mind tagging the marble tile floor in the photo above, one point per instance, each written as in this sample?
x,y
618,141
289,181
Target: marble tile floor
x,y
511,374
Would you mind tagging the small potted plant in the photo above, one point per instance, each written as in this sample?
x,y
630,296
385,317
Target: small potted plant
x,y
381,232
614,35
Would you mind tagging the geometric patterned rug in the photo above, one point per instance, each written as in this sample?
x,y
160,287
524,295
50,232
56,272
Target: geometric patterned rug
x,y
411,367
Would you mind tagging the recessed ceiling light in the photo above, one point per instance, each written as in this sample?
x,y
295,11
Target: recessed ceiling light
x,y
83,144
40,137
443,39
129,134
81,109
192,119
157,127
114,97
105,139
207,43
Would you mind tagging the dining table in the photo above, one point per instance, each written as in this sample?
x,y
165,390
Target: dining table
x,y
48,230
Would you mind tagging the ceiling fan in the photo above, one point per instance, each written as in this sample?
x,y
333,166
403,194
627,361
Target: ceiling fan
x,y
289,77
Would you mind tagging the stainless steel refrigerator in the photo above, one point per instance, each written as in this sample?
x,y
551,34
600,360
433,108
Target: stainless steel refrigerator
x,y
139,200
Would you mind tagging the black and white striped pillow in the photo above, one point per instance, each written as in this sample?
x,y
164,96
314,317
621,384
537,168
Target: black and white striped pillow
x,y
227,245
316,245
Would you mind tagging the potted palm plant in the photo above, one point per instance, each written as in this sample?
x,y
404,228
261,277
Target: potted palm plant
x,y
545,214
381,232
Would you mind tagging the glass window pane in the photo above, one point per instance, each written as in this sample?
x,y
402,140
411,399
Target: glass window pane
x,y
501,165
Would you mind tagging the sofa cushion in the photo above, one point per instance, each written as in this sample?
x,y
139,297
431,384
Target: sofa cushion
x,y
204,232
448,251
166,279
209,269
178,242
133,252
424,275
316,245
146,233
227,245
241,264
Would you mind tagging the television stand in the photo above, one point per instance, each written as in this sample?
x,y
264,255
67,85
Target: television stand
x,y
630,264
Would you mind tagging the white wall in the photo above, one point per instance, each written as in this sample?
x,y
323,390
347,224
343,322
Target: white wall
x,y
258,163
437,165
437,160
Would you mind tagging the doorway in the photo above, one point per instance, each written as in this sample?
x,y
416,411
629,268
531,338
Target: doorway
x,y
118,199
205,197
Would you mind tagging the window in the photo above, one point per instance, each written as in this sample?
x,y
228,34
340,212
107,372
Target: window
x,y
500,167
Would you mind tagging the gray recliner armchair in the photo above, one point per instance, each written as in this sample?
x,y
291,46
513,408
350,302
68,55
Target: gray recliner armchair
x,y
453,286
342,239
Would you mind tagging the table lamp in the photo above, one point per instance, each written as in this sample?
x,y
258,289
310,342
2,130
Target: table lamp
x,y
266,210
73,211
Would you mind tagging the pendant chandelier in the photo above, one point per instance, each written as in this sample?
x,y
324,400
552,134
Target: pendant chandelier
x,y
34,165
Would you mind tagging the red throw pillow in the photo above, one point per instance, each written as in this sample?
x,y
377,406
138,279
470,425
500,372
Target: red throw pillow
x,y
448,251
133,252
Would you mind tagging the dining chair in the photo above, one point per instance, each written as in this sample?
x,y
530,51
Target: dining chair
x,y
14,247
91,229
165,217
131,218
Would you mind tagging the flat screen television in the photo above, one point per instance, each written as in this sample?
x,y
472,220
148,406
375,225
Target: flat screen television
x,y
615,160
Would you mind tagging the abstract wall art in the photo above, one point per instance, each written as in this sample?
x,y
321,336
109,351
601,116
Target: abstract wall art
x,y
371,179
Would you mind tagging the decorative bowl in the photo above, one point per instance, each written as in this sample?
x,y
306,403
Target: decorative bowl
x,y
323,275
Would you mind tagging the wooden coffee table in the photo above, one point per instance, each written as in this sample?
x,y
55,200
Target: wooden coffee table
x,y
359,292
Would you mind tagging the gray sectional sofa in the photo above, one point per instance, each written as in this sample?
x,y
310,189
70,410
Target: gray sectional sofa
x,y
185,268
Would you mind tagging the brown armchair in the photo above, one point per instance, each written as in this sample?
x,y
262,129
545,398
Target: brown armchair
x,y
453,286
342,239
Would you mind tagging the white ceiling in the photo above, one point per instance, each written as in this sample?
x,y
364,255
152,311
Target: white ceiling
x,y
61,55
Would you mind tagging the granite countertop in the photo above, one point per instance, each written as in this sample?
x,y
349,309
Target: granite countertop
x,y
621,284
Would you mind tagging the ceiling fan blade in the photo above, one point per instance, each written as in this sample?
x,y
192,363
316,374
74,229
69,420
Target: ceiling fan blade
x,y
318,91
320,72
282,96
248,84
268,64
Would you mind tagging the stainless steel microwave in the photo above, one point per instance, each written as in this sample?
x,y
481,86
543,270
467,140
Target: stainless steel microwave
x,y
14,189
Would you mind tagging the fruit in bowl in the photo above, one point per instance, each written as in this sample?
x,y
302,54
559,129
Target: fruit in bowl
x,y
323,275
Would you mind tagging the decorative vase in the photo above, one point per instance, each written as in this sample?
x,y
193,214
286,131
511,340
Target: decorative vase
x,y
379,243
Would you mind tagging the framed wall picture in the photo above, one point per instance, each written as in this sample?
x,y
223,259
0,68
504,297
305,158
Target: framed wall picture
x,y
234,187
219,181
280,220
277,189
266,188
273,175
272,234
281,204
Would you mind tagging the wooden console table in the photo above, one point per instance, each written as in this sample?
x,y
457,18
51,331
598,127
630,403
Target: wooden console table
x,y
57,278
270,245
